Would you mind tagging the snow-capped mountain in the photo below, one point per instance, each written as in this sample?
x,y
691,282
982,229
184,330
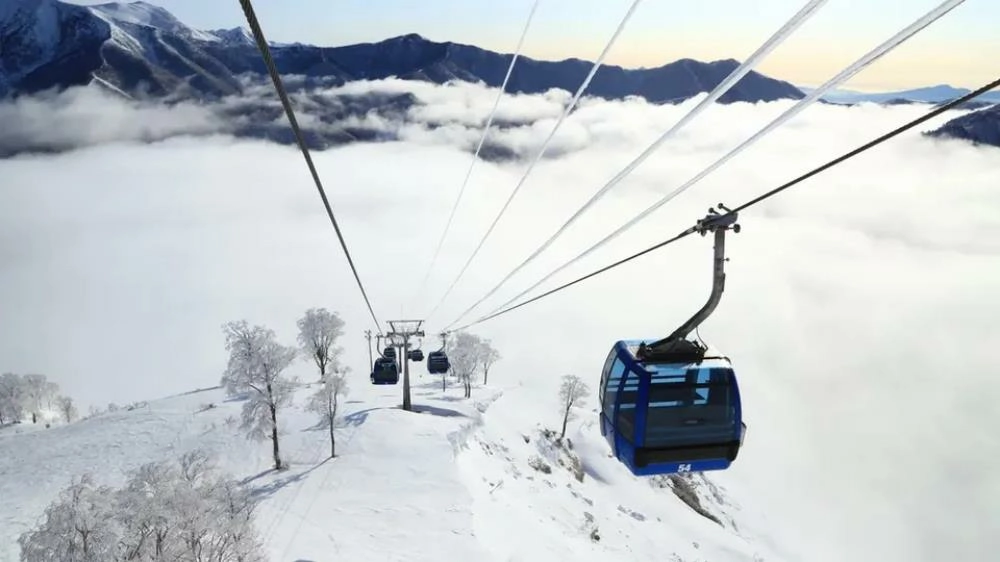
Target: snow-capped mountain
x,y
46,42
134,48
140,48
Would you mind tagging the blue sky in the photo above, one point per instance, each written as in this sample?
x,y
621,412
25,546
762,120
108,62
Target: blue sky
x,y
959,49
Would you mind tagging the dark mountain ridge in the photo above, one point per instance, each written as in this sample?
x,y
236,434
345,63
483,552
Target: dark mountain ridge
x,y
143,50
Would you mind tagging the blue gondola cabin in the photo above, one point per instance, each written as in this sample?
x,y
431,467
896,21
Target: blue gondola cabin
x,y
669,417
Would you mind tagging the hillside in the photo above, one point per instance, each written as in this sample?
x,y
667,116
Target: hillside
x,y
980,127
453,482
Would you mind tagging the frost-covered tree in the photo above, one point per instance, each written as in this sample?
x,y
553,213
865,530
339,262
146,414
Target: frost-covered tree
x,y
318,331
572,392
12,397
51,394
256,363
66,407
487,357
79,526
36,388
181,511
326,401
464,356
21,395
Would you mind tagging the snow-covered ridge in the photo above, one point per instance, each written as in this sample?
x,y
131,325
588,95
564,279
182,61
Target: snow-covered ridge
x,y
148,15
235,36
39,34
440,483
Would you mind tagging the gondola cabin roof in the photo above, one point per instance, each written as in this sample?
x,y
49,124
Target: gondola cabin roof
x,y
713,358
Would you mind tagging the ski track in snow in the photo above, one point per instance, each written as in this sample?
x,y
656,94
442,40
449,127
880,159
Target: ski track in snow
x,y
452,481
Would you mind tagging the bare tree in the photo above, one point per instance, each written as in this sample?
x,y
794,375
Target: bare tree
x,y
318,331
325,402
572,392
256,361
464,354
487,357
66,407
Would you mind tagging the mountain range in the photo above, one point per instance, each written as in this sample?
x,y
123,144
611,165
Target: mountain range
x,y
142,48
139,50
929,94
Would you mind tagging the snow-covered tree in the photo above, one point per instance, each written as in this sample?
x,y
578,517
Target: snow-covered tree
x,y
78,526
66,407
50,394
487,357
318,331
181,511
256,363
36,388
572,392
326,401
12,397
464,356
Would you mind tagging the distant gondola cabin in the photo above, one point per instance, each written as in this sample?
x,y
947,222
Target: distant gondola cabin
x,y
437,362
385,371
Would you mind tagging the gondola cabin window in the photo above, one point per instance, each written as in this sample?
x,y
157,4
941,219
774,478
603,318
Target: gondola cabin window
x,y
689,405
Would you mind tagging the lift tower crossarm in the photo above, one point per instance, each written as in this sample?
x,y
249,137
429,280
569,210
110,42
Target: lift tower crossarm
x,y
399,334
676,347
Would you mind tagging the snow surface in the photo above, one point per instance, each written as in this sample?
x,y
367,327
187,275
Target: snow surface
x,y
451,482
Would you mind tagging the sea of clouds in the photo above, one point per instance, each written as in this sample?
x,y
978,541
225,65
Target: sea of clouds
x,y
860,308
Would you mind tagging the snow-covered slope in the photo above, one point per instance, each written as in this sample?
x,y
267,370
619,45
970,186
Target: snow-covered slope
x,y
233,36
45,40
145,14
132,47
454,481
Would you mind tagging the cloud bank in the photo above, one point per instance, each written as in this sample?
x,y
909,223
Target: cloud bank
x,y
860,306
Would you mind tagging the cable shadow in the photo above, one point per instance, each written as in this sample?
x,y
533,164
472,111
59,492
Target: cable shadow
x,y
271,488
358,418
436,411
